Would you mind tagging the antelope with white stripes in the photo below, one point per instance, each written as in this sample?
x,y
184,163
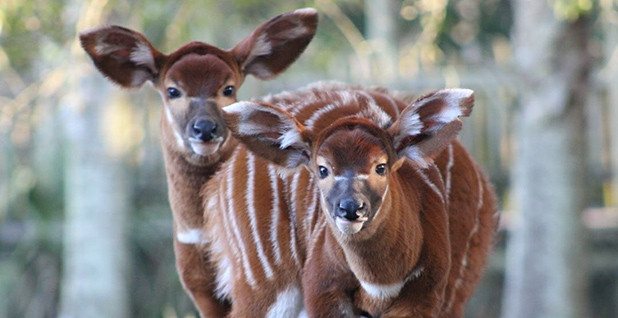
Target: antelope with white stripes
x,y
377,205
195,81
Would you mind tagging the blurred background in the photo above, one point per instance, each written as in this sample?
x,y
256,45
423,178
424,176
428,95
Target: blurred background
x,y
84,216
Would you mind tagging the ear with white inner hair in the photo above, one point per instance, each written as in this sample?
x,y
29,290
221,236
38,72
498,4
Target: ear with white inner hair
x,y
269,132
428,125
276,43
124,56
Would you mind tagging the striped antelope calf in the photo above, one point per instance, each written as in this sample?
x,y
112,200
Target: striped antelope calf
x,y
195,81
379,207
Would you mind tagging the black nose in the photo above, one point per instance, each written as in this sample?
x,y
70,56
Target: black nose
x,y
347,209
204,129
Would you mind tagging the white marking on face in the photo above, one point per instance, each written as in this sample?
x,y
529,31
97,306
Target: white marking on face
x,y
205,148
172,124
349,227
382,202
289,303
355,177
193,236
250,201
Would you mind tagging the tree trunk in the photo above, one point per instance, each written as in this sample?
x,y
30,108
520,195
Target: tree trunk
x,y
381,32
546,269
611,72
97,202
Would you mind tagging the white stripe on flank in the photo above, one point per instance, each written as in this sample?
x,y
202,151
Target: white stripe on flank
x,y
275,212
224,269
239,239
449,166
481,191
315,235
192,236
311,209
250,200
293,243
431,185
464,259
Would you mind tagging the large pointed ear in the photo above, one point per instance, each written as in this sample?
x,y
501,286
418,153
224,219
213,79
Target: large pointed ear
x,y
428,125
277,43
270,132
124,56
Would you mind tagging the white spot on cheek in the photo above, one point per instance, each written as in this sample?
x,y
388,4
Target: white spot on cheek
x,y
289,303
193,236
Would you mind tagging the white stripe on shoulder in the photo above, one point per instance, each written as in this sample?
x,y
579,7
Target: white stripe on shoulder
x,y
275,212
293,243
235,228
250,200
431,185
449,167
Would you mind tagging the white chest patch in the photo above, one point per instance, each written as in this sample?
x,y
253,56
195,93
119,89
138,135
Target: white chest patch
x,y
382,291
289,303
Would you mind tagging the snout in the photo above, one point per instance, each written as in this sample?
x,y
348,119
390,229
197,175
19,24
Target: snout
x,y
350,215
350,209
205,134
205,130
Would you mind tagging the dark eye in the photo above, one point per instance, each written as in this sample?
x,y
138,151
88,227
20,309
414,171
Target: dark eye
x,y
228,91
381,169
173,92
323,172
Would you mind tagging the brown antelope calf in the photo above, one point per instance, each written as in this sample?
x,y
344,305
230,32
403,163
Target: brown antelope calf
x,y
195,81
377,224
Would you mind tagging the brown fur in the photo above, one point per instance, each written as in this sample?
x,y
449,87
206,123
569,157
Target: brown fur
x,y
415,229
201,72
